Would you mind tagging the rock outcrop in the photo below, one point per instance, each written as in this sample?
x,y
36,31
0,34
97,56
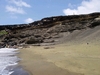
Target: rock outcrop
x,y
47,29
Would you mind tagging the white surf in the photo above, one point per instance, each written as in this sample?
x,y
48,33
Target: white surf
x,y
8,60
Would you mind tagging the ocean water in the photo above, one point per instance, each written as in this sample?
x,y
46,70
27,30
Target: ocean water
x,y
8,60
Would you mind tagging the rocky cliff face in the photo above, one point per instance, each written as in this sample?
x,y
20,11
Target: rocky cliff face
x,y
47,29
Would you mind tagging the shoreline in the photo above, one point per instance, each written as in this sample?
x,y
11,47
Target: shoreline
x,y
9,62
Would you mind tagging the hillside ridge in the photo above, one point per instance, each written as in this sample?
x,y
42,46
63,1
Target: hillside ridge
x,y
46,30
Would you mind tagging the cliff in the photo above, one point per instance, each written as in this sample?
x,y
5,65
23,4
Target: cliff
x,y
47,30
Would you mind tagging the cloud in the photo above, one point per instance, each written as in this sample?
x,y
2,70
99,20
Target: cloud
x,y
14,10
29,20
86,6
19,3
16,6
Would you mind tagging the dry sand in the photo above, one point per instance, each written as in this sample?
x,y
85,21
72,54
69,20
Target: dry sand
x,y
64,59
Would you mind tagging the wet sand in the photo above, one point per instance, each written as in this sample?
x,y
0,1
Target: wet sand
x,y
64,59
18,70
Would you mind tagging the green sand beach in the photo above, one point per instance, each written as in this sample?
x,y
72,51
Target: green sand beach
x,y
63,59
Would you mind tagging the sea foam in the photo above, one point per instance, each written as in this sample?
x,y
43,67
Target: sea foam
x,y
8,60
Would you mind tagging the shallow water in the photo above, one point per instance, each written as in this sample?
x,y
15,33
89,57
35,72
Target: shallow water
x,y
8,60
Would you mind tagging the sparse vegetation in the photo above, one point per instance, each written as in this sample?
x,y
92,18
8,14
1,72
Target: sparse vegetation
x,y
3,32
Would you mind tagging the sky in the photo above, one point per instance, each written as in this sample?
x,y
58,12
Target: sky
x,y
27,11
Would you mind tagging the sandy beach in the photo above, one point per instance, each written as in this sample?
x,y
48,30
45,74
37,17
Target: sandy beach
x,y
63,59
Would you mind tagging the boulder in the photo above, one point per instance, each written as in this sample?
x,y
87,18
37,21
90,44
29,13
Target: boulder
x,y
95,23
12,43
34,40
2,44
